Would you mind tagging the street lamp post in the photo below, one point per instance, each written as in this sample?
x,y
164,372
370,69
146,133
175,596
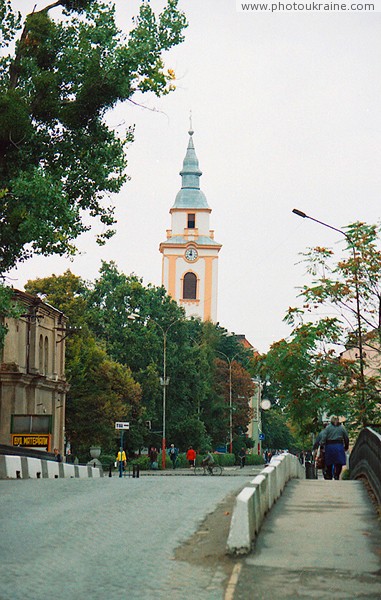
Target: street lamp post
x,y
164,381
300,213
230,362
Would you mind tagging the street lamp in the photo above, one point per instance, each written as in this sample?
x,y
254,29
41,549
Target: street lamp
x,y
164,381
300,213
230,362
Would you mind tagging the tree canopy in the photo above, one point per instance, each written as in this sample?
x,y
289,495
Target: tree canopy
x,y
332,364
59,159
115,363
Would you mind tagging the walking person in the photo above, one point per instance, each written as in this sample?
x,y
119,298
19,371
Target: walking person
x,y
173,454
121,461
153,457
335,440
319,451
191,457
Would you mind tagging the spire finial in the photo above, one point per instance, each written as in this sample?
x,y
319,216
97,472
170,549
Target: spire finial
x,y
191,132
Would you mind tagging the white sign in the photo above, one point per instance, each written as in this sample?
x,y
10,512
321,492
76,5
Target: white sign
x,y
121,425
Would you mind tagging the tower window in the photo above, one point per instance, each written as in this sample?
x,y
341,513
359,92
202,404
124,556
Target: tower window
x,y
190,286
191,220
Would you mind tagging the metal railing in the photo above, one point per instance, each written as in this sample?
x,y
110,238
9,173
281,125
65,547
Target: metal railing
x,y
365,459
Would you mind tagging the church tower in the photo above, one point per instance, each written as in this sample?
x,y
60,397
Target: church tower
x,y
190,254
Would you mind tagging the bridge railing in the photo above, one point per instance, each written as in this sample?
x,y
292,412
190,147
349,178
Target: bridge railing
x,y
365,459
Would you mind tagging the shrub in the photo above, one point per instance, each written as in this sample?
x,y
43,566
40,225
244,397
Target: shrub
x,y
143,462
254,459
106,460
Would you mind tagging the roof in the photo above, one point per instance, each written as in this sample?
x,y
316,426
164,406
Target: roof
x,y
202,240
190,195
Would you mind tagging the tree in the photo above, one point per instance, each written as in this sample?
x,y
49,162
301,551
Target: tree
x,y
102,391
58,156
351,287
306,376
309,374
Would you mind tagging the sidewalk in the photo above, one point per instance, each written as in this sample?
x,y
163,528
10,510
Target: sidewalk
x,y
247,471
322,540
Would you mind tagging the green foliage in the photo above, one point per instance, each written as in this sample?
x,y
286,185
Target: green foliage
x,y
308,375
114,365
254,459
277,432
142,461
58,157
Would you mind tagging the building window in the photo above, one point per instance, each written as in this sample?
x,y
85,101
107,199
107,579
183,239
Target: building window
x,y
41,354
190,286
46,357
31,424
191,221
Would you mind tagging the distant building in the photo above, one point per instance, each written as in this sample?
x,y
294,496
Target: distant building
x,y
32,376
190,252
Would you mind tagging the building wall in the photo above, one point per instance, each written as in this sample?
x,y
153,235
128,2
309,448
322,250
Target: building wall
x,y
32,376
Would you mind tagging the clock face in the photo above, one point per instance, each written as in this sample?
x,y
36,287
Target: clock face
x,y
191,254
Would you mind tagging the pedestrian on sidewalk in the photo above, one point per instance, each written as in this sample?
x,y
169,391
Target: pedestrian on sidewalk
x,y
153,457
173,454
57,455
335,440
191,457
121,458
319,451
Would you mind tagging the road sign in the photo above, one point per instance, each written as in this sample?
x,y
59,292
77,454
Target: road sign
x,y
122,425
261,436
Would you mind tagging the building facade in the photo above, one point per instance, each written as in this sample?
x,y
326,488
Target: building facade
x,y
32,376
190,252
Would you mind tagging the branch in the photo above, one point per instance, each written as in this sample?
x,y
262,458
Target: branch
x,y
14,69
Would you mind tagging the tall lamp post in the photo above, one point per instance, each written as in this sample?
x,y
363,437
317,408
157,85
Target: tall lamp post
x,y
300,213
230,362
164,381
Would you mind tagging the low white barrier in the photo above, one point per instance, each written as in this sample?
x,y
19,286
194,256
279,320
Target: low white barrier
x,y
23,467
255,500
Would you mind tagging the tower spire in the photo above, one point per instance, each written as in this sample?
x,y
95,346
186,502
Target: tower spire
x,y
191,131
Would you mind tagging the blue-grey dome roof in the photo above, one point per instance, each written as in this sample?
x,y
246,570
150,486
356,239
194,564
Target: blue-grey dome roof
x,y
190,195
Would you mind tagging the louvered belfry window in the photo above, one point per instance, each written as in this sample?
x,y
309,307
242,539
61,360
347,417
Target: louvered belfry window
x,y
190,287
191,220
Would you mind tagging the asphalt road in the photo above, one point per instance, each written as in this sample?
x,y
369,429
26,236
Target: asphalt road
x,y
107,539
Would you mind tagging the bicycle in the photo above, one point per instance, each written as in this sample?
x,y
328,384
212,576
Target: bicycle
x,y
208,470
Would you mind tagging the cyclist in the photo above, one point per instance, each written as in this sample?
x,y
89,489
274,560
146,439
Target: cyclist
x,y
208,462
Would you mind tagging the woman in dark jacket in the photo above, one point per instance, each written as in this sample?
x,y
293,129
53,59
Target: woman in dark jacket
x,y
335,440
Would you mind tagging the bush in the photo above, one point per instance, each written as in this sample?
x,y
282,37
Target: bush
x,y
254,459
225,460
143,462
106,460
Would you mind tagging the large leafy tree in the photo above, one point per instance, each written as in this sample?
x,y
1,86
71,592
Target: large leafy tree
x,y
58,157
309,373
127,325
102,391
306,377
350,287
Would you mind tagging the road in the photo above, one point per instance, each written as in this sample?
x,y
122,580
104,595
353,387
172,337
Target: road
x,y
107,539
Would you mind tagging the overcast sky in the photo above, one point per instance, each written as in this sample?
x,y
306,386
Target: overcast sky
x,y
286,113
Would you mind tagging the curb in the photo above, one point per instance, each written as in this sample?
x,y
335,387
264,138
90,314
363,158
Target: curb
x,y
23,467
255,500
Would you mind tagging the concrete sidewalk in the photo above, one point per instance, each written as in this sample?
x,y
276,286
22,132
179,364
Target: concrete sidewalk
x,y
322,539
